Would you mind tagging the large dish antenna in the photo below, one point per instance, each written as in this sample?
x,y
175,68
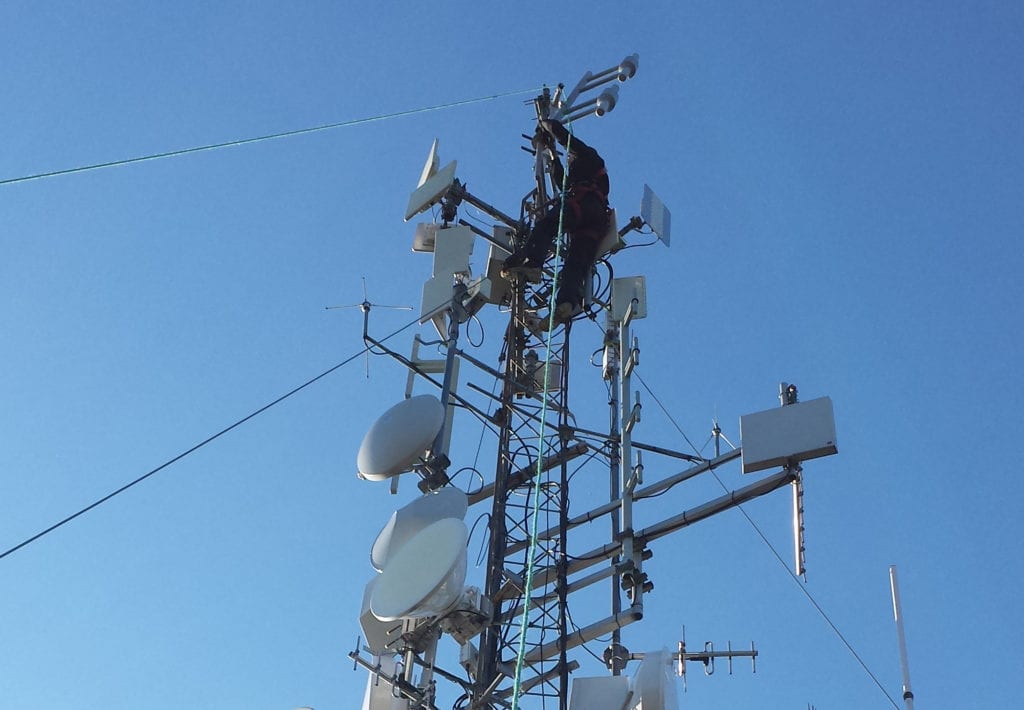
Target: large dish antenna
x,y
407,522
425,577
400,437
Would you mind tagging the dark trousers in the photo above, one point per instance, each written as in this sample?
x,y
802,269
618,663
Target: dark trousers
x,y
585,221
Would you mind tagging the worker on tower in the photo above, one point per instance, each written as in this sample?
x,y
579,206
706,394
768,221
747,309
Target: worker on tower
x,y
582,211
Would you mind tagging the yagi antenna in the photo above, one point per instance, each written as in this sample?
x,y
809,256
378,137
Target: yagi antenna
x,y
365,307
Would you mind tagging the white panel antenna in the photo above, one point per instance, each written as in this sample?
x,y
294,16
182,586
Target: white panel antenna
x,y
599,693
452,249
496,256
430,193
656,215
624,292
430,167
437,297
400,437
786,435
423,238
653,685
432,185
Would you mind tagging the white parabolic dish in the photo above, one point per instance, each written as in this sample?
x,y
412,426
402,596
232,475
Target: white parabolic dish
x,y
448,502
399,437
425,576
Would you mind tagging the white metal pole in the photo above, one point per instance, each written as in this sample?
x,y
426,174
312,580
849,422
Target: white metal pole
x,y
908,695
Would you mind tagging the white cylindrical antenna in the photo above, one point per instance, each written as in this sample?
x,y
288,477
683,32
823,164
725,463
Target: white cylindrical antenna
x,y
908,695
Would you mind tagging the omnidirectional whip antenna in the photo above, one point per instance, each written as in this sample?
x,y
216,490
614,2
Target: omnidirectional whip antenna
x,y
365,307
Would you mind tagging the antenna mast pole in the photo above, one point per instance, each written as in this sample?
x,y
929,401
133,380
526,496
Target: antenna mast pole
x,y
908,695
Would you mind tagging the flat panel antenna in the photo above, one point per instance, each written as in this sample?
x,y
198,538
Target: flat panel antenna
x,y
788,435
432,185
430,167
656,215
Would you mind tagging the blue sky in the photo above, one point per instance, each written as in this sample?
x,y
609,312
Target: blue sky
x,y
845,183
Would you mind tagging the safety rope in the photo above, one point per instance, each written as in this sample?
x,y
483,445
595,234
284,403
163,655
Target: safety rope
x,y
535,513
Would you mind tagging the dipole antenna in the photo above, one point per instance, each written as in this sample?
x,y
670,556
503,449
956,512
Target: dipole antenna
x,y
897,610
365,307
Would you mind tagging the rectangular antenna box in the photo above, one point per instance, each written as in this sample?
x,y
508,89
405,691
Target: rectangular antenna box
x,y
424,237
599,693
789,434
624,292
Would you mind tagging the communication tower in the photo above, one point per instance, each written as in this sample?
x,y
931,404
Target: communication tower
x,y
511,639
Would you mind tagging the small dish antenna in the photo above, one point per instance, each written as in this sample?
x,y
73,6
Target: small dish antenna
x,y
400,437
407,522
425,577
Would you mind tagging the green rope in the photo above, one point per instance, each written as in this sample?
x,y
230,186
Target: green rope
x,y
535,513
271,136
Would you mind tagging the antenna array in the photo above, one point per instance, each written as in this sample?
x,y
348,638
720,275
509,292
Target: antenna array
x,y
516,635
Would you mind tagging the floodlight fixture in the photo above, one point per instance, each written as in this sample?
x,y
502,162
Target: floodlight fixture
x,y
606,101
628,66
568,110
622,71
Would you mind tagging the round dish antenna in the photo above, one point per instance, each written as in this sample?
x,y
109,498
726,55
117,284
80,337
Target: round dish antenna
x,y
406,522
400,437
425,577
